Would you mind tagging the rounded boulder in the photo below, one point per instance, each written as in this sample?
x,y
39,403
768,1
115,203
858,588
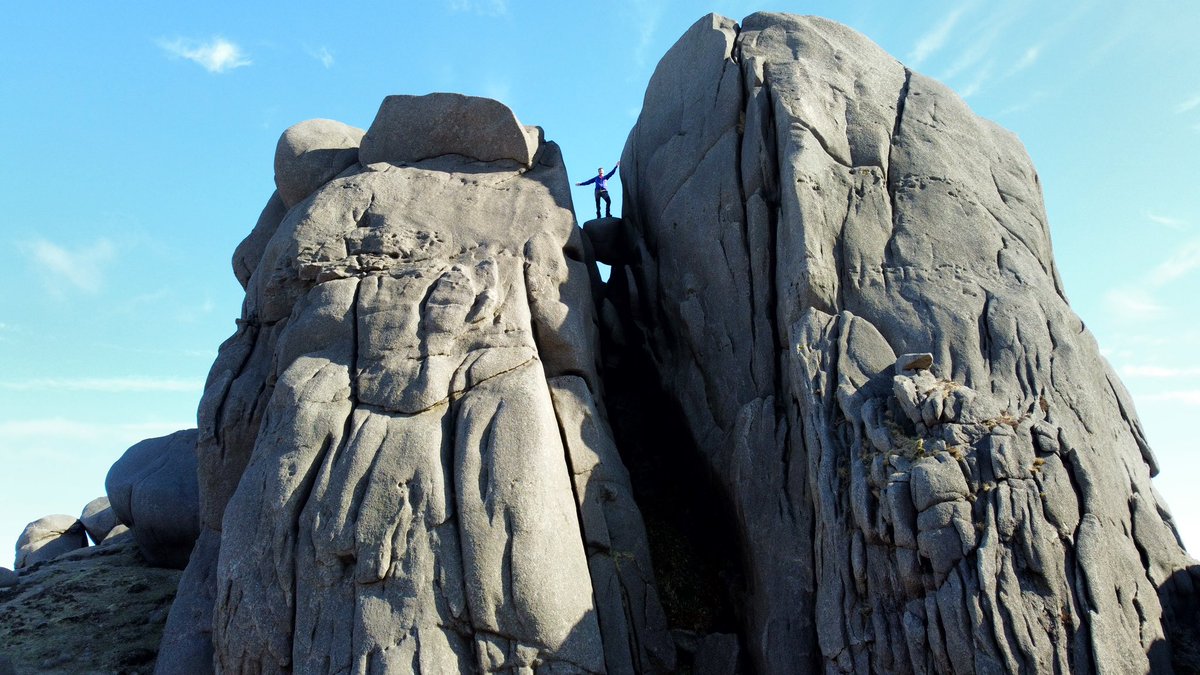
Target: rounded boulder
x,y
312,153
154,490
98,519
47,538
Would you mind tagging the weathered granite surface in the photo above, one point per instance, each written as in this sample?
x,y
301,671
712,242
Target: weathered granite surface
x,y
47,538
803,209
404,459
99,609
153,490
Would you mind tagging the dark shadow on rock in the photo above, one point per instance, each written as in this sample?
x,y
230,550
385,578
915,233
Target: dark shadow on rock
x,y
1180,599
690,521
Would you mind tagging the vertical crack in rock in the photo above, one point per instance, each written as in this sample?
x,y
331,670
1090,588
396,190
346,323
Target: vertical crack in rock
x,y
836,391
955,518
410,352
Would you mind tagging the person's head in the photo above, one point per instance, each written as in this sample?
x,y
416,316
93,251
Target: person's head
x,y
600,171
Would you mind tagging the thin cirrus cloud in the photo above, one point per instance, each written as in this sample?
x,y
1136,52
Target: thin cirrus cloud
x,y
486,7
936,37
322,55
1166,221
216,55
1158,372
110,385
1182,262
1139,300
64,269
1190,397
1188,105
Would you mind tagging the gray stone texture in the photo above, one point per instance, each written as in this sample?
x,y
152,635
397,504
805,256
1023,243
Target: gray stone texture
x,y
153,490
98,609
47,538
312,153
98,519
8,578
408,129
404,460
804,209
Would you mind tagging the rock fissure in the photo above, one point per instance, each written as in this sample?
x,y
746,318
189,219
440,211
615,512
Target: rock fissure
x,y
438,442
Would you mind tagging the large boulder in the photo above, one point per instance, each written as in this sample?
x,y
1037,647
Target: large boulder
x,y
414,128
309,154
47,538
98,519
806,208
403,452
153,489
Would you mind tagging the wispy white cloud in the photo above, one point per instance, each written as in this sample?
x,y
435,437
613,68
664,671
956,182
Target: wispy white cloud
x,y
63,437
936,38
1158,372
1167,221
646,16
63,269
486,7
1182,262
978,81
1189,397
1022,105
499,89
1134,303
109,385
1188,105
1028,58
983,42
323,55
1139,299
217,55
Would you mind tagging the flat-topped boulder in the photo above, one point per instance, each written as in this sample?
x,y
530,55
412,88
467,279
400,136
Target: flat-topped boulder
x,y
412,128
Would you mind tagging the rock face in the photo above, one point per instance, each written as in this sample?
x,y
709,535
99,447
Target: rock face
x,y
47,538
404,459
804,209
98,519
99,609
312,153
153,490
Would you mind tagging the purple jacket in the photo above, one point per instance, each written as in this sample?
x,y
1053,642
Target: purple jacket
x,y
600,181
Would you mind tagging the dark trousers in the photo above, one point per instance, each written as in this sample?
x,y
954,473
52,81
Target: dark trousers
x,y
603,194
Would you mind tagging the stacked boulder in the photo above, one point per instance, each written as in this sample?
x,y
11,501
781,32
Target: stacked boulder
x,y
404,457
153,492
47,538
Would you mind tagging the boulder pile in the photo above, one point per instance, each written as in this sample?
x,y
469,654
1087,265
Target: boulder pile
x,y
830,412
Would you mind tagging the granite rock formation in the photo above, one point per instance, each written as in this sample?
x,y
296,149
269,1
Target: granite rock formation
x,y
153,490
99,609
404,460
844,279
47,538
98,519
832,396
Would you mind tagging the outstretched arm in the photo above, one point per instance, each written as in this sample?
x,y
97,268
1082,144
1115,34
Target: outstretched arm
x,y
610,173
587,182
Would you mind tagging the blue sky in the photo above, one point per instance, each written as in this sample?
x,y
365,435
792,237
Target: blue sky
x,y
138,142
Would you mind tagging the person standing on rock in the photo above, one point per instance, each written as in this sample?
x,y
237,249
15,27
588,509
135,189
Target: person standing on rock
x,y
601,181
